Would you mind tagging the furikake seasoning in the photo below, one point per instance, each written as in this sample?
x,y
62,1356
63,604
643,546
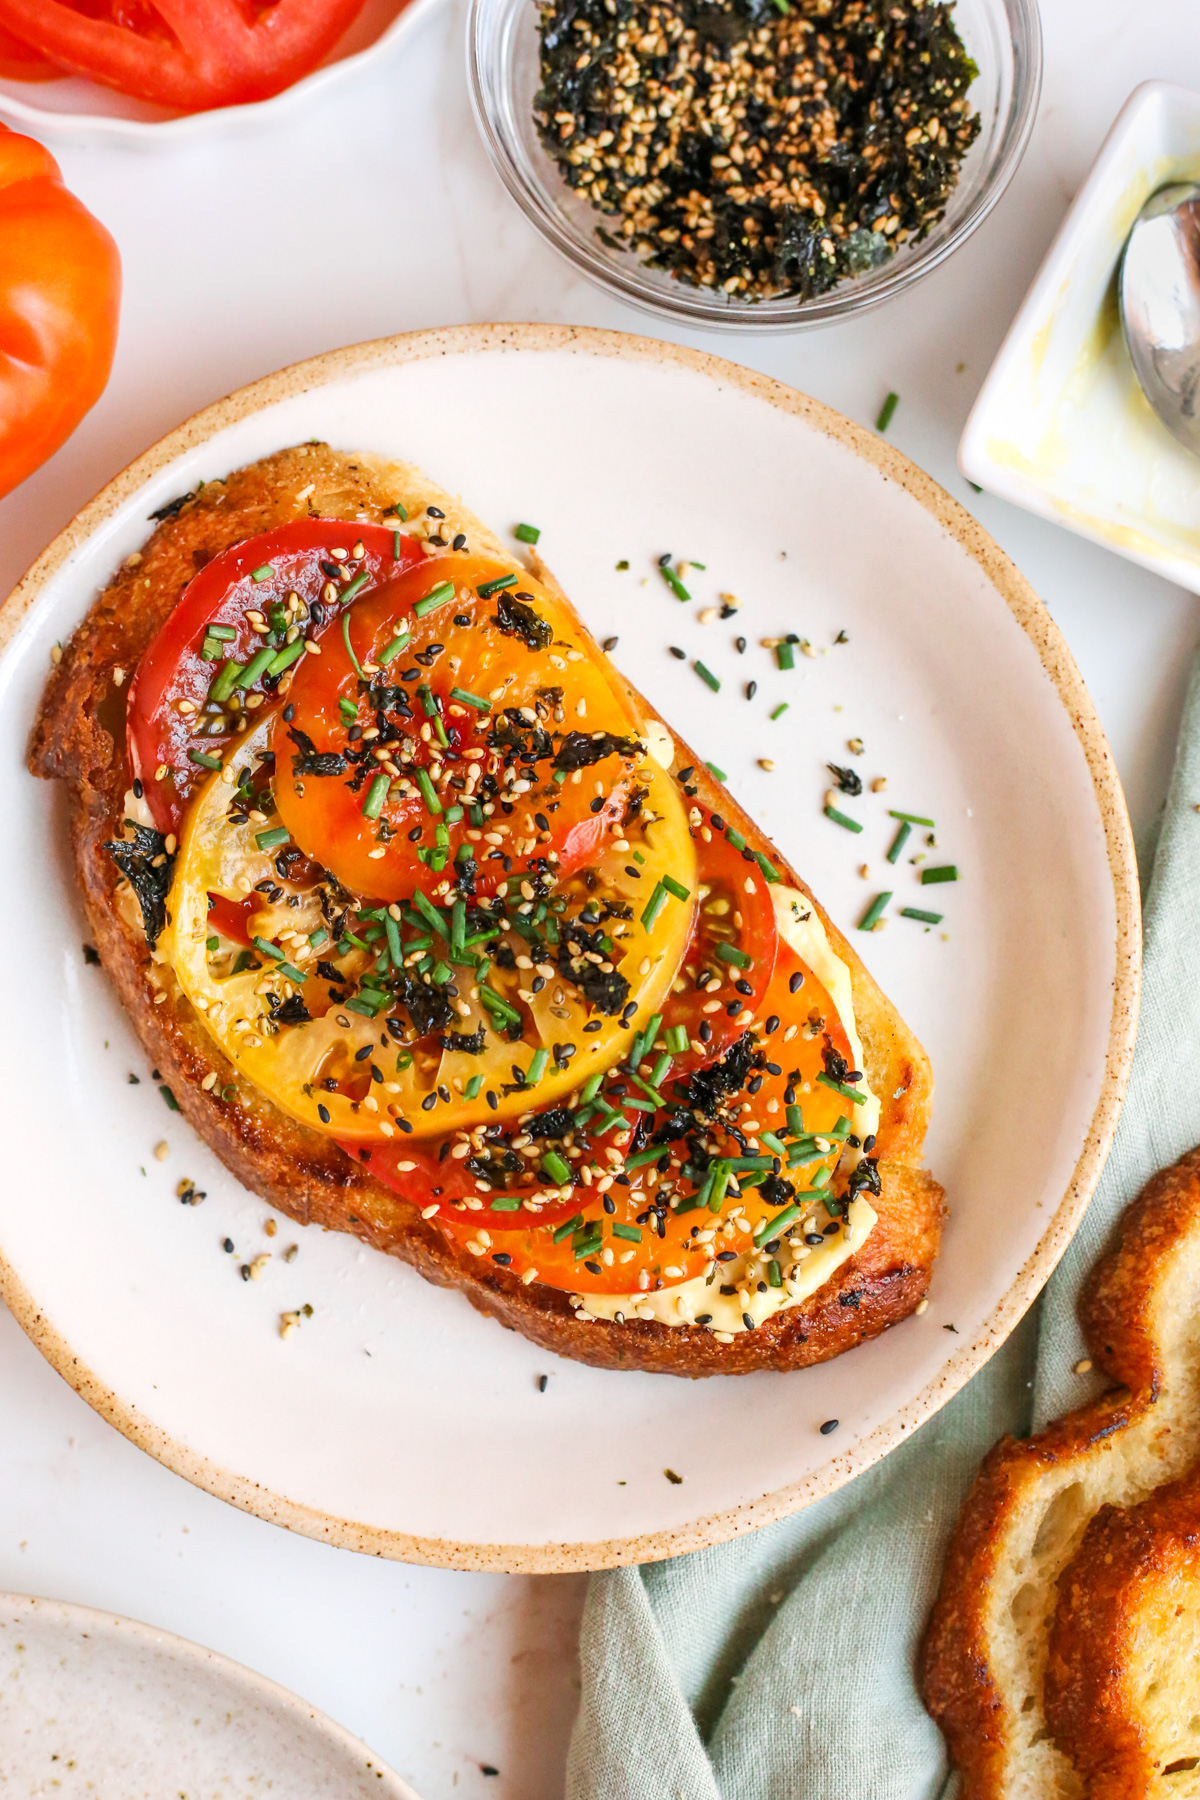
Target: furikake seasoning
x,y
758,147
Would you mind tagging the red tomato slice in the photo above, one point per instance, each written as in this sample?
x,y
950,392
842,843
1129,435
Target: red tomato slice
x,y
21,62
220,53
231,918
167,724
422,1176
737,913
463,711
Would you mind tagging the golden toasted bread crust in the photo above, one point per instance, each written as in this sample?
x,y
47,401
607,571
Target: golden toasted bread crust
x,y
80,738
1031,1501
1126,1613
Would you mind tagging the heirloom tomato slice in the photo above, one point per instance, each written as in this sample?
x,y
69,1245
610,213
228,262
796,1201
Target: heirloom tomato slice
x,y
176,730
464,716
333,1028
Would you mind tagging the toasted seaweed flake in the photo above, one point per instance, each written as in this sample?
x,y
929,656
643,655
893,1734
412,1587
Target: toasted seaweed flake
x,y
144,862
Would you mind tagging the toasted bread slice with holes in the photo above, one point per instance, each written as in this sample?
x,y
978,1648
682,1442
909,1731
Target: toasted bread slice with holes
x,y
80,739
984,1658
1122,1689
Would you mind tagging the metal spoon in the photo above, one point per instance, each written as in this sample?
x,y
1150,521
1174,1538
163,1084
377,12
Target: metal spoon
x,y
1160,307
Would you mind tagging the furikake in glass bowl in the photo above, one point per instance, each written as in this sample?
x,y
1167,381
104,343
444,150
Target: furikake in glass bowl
x,y
757,147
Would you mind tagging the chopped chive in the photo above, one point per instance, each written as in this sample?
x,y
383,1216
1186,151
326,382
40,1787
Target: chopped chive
x,y
839,818
558,1171
632,1234
283,659
909,818
767,866
785,655
486,589
922,918
737,1165
527,534
262,574
436,597
774,1143
428,792
393,940
677,1039
821,1179
537,1069
355,587
429,705
587,1246
735,838
255,667
205,761
719,1181
676,888
841,1087
640,1158
350,647
774,1272
499,1006
211,650
567,1227
292,972
400,510
729,953
886,411
590,1088
659,1072
390,651
267,840
653,906
347,708
469,699
212,943
471,1091
440,973
458,927
318,938
266,948
396,542
372,806
780,710
795,1119
673,582
707,677
874,912
898,842
770,1228
431,914
224,634
944,872
719,773
365,1008
505,1202
223,686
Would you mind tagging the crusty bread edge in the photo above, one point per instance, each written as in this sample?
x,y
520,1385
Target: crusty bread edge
x,y
176,458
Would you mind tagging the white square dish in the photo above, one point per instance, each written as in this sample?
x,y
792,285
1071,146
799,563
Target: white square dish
x,y
1061,426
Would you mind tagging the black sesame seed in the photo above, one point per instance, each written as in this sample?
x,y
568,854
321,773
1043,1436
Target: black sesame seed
x,y
322,1112
610,643
751,689
740,645
677,653
796,981
227,1246
828,1426
748,1321
460,544
772,1024
502,1257
435,512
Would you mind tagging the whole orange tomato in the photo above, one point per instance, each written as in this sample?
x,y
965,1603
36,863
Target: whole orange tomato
x,y
60,294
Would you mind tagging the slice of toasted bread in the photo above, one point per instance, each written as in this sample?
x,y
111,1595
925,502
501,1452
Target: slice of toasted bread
x,y
1123,1670
80,739
985,1652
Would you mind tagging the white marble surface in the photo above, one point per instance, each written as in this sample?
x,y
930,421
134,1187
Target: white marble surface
x,y
375,214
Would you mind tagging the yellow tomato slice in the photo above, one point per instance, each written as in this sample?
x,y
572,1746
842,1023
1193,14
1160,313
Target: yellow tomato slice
x,y
346,1074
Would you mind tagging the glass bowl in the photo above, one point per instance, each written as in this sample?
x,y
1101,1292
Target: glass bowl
x,y
1002,36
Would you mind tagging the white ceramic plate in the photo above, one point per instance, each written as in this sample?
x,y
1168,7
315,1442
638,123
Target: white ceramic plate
x,y
100,1706
1061,425
81,111
397,1420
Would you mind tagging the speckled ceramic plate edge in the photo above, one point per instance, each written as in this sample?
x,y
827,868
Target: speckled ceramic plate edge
x,y
91,1622
1059,665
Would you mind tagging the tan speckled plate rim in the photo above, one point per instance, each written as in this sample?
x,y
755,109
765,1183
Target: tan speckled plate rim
x,y
1059,665
95,1623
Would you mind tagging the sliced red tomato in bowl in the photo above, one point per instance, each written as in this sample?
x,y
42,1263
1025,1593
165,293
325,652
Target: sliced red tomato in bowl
x,y
207,671
430,1175
192,57
440,726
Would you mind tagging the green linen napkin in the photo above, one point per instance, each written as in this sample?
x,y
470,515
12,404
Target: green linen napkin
x,y
781,1666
